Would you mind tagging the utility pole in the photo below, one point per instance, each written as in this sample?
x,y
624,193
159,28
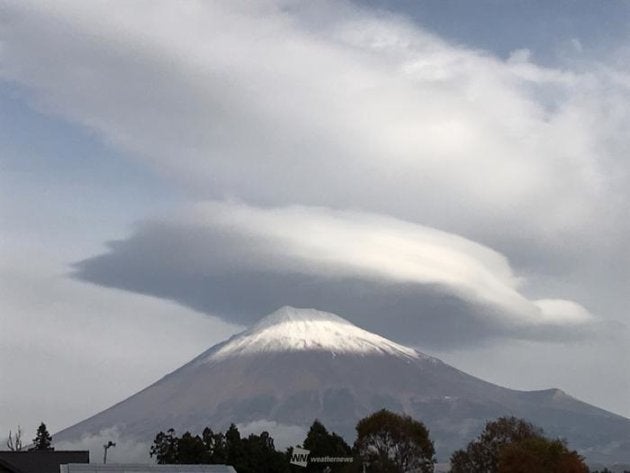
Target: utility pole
x,y
105,448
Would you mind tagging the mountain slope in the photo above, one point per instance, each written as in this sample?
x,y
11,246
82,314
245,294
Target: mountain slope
x,y
300,364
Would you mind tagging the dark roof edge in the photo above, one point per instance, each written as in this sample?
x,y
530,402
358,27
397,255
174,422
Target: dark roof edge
x,y
10,466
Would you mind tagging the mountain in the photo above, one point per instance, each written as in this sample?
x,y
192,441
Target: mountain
x,y
296,365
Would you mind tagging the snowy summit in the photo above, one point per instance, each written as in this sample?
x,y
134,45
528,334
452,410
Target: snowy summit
x,y
296,365
292,329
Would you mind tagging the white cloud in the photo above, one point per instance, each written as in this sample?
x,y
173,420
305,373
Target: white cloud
x,y
348,244
562,311
280,103
200,254
355,110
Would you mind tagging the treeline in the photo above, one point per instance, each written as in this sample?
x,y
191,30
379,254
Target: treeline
x,y
255,453
386,443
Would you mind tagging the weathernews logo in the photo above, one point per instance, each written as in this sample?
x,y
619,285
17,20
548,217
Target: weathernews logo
x,y
301,457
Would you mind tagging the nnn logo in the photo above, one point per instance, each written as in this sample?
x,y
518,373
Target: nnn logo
x,y
299,456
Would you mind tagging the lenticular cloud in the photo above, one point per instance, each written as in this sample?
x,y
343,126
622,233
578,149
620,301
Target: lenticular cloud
x,y
405,280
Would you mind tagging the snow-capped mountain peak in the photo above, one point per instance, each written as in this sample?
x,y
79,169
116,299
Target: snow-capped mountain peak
x,y
288,314
291,329
297,365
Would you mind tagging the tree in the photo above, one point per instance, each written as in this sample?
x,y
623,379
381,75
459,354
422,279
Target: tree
x,y
511,445
391,443
164,447
254,454
42,440
215,445
191,450
234,446
260,455
482,455
321,443
541,455
188,449
15,443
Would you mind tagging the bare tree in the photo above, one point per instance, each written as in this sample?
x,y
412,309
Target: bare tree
x,y
15,443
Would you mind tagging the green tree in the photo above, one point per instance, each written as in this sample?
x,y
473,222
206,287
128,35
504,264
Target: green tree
x,y
322,443
391,443
191,450
260,455
214,445
254,454
164,448
234,447
42,440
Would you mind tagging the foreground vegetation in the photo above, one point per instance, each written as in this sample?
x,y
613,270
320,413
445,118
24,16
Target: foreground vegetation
x,y
386,443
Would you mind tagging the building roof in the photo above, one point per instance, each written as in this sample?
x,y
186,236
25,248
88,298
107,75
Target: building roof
x,y
6,466
41,461
143,468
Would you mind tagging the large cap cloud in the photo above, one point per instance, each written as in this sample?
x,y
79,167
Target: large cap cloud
x,y
320,103
408,281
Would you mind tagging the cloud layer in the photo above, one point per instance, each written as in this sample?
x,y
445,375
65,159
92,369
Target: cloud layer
x,y
281,102
320,104
405,280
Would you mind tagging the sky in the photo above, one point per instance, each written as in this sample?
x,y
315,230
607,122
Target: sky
x,y
449,174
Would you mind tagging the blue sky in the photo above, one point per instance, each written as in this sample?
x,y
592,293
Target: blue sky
x,y
546,28
79,173
208,140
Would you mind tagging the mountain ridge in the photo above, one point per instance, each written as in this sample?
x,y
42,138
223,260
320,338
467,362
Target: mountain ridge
x,y
291,385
